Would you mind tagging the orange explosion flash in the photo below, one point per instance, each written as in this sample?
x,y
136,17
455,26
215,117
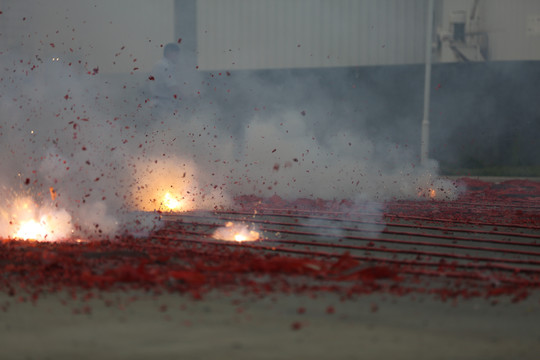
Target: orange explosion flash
x,y
428,193
173,184
171,203
31,230
28,221
235,232
163,186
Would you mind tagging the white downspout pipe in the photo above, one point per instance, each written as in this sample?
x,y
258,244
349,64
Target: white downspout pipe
x,y
424,142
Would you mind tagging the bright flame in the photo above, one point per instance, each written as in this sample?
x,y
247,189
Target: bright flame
x,y
180,179
428,193
164,185
171,203
235,232
24,220
31,230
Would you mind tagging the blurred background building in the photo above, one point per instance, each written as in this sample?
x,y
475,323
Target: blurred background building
x,y
271,34
317,33
485,54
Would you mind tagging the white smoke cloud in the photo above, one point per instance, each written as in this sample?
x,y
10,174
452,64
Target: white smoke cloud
x,y
109,160
61,151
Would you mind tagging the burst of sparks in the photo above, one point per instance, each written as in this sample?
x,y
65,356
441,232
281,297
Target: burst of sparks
x,y
171,203
39,223
31,230
236,232
428,193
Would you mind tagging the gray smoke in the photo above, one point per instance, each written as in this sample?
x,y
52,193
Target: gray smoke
x,y
88,147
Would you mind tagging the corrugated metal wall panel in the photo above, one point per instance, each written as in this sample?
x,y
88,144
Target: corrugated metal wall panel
x,y
247,34
507,26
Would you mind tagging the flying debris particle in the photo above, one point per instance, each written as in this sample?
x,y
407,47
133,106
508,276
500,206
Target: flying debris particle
x,y
151,78
303,112
53,193
297,325
52,45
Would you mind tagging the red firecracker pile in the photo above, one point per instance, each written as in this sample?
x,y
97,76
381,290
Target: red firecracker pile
x,y
485,244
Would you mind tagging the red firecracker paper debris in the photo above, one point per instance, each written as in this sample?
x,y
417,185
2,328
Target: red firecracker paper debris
x,y
179,259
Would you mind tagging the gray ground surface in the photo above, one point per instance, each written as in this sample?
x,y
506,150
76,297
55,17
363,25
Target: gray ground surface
x,y
232,327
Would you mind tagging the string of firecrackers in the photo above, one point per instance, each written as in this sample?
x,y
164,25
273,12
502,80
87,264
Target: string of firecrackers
x,y
517,197
29,269
197,270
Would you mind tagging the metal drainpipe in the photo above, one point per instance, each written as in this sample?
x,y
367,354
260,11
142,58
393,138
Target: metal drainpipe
x,y
424,142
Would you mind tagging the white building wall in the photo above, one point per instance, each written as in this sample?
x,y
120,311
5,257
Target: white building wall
x,y
263,34
253,34
260,34
513,28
